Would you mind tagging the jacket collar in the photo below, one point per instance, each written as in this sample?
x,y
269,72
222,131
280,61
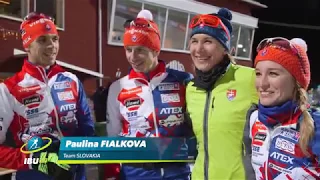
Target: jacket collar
x,y
161,68
39,72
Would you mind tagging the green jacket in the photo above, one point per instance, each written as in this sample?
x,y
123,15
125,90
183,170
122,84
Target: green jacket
x,y
218,119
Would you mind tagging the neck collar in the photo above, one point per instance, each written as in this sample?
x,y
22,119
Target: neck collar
x,y
285,114
40,72
160,68
206,80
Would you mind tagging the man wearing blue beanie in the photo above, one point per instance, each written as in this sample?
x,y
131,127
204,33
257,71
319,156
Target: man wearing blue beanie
x,y
218,99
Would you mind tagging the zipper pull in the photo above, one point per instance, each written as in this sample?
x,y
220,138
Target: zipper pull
x,y
212,104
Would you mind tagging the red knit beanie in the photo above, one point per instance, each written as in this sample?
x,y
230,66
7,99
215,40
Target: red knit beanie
x,y
297,63
143,31
36,25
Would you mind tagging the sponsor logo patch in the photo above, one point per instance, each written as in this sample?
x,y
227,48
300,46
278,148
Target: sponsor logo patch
x,y
170,98
171,110
282,157
31,100
291,134
260,136
285,145
168,86
65,96
133,102
62,85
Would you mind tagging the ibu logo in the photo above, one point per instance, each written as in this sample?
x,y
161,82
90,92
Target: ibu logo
x,y
34,143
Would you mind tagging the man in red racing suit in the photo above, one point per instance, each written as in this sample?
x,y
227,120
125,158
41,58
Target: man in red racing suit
x,y
148,102
41,100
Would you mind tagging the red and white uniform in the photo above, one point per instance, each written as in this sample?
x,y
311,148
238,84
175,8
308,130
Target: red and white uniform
x,y
40,102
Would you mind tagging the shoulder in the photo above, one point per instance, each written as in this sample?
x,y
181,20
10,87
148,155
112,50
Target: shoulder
x,y
242,68
315,114
117,85
123,81
3,88
192,88
241,71
13,81
68,75
184,77
240,75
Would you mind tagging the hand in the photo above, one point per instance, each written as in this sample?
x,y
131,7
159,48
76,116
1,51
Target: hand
x,y
48,164
111,171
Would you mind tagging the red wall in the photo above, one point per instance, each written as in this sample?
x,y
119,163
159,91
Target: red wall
x,y
78,43
6,46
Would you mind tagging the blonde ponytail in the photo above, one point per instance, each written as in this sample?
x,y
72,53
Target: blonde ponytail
x,y
306,125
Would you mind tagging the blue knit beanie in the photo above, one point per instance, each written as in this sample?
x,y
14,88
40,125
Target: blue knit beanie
x,y
218,33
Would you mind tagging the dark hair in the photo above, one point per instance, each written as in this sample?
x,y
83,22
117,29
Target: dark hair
x,y
127,23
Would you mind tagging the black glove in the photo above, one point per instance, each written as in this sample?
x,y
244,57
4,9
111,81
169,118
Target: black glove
x,y
48,162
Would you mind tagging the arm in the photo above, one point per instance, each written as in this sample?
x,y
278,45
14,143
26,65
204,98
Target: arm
x,y
315,141
254,93
247,149
113,113
11,158
86,125
191,138
113,117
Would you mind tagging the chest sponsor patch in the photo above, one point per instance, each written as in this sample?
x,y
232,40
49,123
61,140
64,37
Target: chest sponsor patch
x,y
30,89
260,136
170,98
285,145
69,118
133,104
128,93
171,110
281,157
256,148
289,133
67,107
172,120
62,85
32,113
231,94
132,115
32,100
65,96
168,86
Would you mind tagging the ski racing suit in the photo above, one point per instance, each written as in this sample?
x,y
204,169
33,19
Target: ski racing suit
x,y
276,153
45,103
149,105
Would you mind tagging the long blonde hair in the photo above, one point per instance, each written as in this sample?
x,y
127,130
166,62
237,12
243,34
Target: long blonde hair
x,y
307,123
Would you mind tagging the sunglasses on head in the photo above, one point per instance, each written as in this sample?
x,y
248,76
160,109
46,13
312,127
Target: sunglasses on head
x,y
208,20
280,43
35,15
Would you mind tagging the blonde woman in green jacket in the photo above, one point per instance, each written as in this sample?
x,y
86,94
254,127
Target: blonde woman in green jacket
x,y
218,100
